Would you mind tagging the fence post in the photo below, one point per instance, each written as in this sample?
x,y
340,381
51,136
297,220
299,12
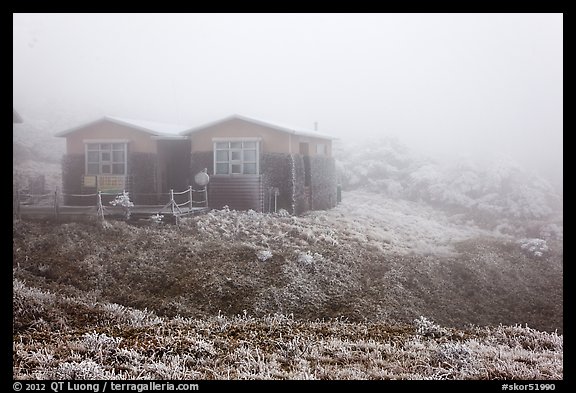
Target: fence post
x,y
190,193
206,194
172,200
56,206
100,212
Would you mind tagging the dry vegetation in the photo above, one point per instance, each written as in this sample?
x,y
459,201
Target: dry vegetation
x,y
329,295
80,338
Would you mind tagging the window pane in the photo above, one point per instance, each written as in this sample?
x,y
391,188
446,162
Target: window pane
x,y
235,145
118,169
236,168
105,155
118,156
221,155
93,156
249,145
93,169
118,146
93,146
250,155
106,168
320,149
250,169
222,169
236,155
222,145
104,146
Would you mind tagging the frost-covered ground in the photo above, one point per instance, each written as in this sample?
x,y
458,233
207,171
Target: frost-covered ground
x,y
78,338
337,294
397,225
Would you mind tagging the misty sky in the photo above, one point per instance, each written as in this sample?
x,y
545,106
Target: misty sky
x,y
451,83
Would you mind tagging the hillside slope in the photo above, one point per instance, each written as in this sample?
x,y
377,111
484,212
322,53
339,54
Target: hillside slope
x,y
379,260
35,151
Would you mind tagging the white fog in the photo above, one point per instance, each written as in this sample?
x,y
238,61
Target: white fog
x,y
456,84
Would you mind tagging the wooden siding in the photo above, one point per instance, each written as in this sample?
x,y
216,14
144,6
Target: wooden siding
x,y
237,192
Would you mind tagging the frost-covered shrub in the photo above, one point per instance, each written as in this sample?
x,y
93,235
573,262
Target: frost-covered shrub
x,y
427,328
307,258
452,354
123,200
86,369
552,231
527,338
264,255
283,213
131,316
488,191
99,343
29,301
534,247
156,219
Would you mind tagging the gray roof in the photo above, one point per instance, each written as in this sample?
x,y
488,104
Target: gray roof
x,y
162,130
175,131
265,123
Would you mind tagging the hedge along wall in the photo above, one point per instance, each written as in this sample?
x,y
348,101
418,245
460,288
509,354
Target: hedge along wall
x,y
143,179
72,171
285,172
300,199
323,182
276,172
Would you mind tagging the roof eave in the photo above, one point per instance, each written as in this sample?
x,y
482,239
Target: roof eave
x,y
259,122
153,133
133,126
74,129
313,135
281,128
170,137
206,125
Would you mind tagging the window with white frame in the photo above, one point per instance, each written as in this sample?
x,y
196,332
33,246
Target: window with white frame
x,y
106,158
321,149
236,157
